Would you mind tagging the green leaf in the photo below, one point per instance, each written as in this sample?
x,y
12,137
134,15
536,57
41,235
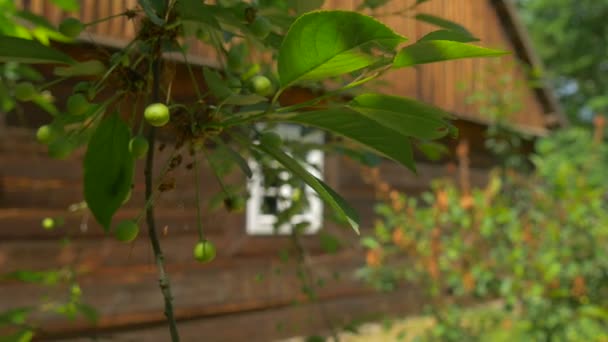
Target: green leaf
x,y
244,99
440,50
335,201
89,312
108,169
197,11
235,157
406,116
86,68
443,23
28,51
67,5
325,43
433,150
38,277
218,87
370,242
151,12
359,128
35,19
329,243
455,36
24,335
224,94
15,315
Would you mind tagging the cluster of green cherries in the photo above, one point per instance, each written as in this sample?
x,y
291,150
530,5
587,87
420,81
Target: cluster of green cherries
x,y
156,115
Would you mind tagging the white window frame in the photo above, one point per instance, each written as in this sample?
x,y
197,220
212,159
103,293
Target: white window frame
x,y
258,223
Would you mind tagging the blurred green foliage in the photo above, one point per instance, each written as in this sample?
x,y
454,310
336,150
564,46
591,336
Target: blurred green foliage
x,y
571,38
536,242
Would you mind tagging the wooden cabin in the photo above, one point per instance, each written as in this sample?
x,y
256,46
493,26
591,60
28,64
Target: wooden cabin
x,y
251,292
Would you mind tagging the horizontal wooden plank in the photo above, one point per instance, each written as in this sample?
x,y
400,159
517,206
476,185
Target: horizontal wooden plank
x,y
352,184
25,224
278,321
131,296
106,254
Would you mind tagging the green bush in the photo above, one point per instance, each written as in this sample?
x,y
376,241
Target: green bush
x,y
535,242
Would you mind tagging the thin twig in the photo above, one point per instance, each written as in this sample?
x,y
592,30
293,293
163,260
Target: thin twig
x,y
306,267
163,280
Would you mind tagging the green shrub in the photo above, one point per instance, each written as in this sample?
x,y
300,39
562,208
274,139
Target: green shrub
x,y
537,242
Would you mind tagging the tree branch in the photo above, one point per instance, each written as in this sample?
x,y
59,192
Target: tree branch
x,y
165,285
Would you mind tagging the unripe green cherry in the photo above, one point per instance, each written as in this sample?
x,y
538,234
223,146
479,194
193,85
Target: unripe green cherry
x,y
204,251
71,27
138,146
261,27
48,223
60,148
157,114
271,139
45,134
77,104
260,85
126,231
25,91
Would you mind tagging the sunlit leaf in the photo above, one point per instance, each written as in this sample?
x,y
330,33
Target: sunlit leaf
x,y
325,43
440,50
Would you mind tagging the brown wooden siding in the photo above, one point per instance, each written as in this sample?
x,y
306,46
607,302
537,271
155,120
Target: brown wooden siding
x,y
434,83
120,280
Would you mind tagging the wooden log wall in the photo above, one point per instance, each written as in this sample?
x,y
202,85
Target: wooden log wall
x,y
119,280
247,282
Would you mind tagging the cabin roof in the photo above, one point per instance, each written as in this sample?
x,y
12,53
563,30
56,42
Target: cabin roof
x,y
524,49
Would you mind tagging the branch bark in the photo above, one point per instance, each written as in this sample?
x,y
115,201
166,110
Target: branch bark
x,y
164,283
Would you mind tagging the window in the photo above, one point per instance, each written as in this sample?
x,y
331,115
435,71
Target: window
x,y
270,195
